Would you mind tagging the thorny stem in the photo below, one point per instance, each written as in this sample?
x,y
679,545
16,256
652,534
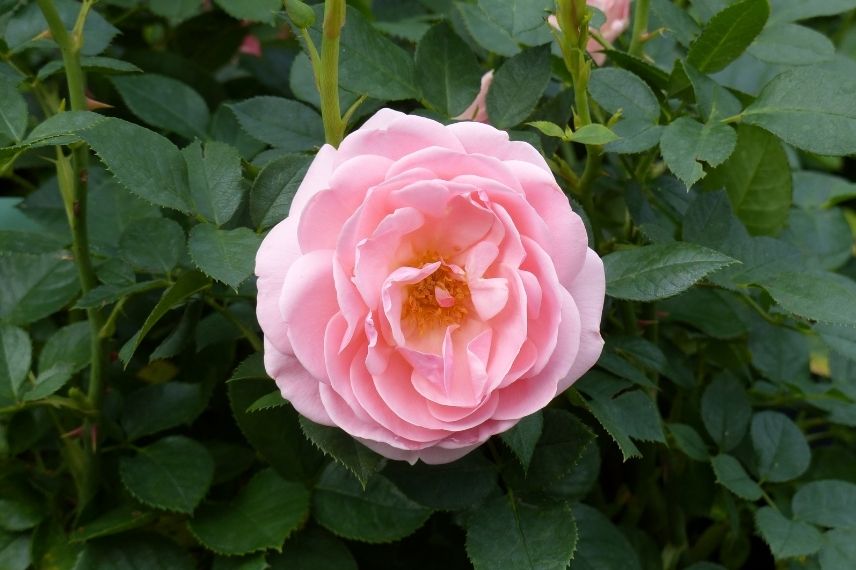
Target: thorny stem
x,y
640,26
328,75
72,175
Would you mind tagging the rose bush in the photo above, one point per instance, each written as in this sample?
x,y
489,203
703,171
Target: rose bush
x,y
430,287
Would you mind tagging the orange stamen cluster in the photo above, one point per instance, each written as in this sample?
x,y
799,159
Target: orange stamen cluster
x,y
422,307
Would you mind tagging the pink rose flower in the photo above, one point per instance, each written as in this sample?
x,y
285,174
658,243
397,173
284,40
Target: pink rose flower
x,y
617,14
430,287
477,111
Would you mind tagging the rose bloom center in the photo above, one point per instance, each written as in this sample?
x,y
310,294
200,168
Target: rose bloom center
x,y
440,299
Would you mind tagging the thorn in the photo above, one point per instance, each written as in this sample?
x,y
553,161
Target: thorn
x,y
94,105
45,35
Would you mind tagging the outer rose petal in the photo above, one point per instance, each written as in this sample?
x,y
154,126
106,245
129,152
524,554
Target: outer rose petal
x,y
277,253
296,385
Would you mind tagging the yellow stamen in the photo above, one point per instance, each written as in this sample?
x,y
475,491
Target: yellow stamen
x,y
422,307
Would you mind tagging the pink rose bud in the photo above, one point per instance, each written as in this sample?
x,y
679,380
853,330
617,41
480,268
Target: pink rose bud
x,y
251,46
430,287
617,14
477,111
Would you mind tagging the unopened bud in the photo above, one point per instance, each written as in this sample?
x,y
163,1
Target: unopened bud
x,y
300,14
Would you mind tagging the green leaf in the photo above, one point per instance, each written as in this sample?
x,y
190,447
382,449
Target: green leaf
x,y
225,255
521,536
600,545
728,34
133,552
254,10
523,438
548,128
274,188
757,178
371,64
677,21
268,401
106,294
579,481
560,447
21,508
160,407
787,538
152,245
593,134
726,411
820,235
15,355
165,103
809,108
790,44
781,448
29,22
93,64
357,458
792,10
250,562
449,486
214,172
120,519
175,11
13,113
14,551
380,513
447,71
274,432
781,354
486,32
689,441
517,87
714,101
261,517
61,128
686,143
523,20
34,287
173,473
48,381
143,161
826,503
313,549
731,475
839,549
715,312
70,345
12,241
839,338
818,295
659,271
617,90
283,123
190,283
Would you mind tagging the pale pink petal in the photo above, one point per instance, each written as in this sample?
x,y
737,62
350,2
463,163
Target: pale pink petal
x,y
317,178
277,253
588,291
296,384
484,139
399,136
477,111
307,303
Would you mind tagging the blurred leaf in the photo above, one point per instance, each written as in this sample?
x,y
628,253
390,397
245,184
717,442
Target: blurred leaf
x,y
380,513
14,551
48,381
726,35
686,143
787,538
173,473
447,71
160,407
214,173
33,287
261,517
726,411
254,10
133,552
562,442
13,113
521,536
792,10
809,108
659,271
120,519
165,103
313,549
593,134
758,181
689,441
153,245
249,562
839,549
826,503
782,451
617,89
28,23
517,87
357,458
820,190
790,44
461,484
225,255
15,355
274,188
781,354
817,295
821,235
731,475
279,122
